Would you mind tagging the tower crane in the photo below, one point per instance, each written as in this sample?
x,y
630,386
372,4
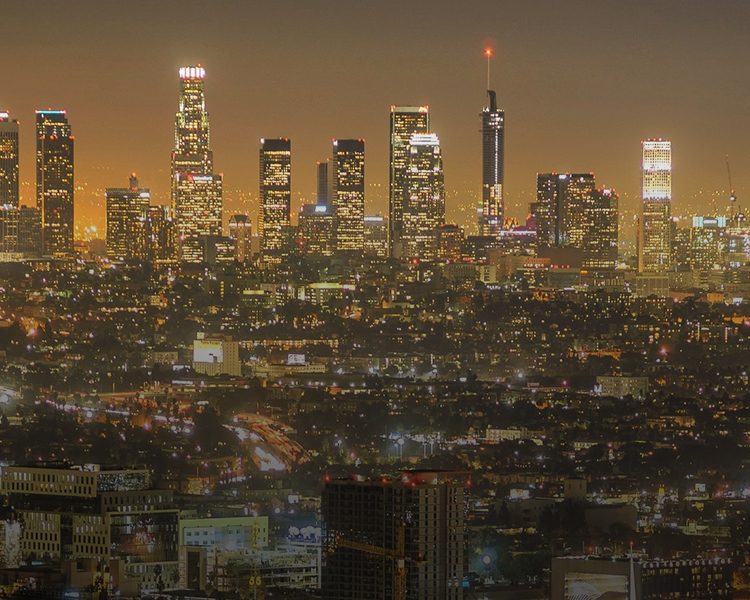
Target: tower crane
x,y
398,556
732,196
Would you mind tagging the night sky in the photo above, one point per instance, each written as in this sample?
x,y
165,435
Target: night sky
x,y
582,82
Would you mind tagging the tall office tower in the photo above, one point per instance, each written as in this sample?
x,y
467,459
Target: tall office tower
x,y
349,194
493,166
54,180
196,190
241,231
124,207
154,236
423,209
562,208
656,218
325,183
20,229
8,160
707,245
317,230
600,230
376,236
401,538
275,195
405,121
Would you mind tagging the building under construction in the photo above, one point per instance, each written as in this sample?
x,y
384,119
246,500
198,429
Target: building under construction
x,y
401,538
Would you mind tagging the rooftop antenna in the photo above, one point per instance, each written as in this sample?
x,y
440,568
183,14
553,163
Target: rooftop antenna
x,y
488,52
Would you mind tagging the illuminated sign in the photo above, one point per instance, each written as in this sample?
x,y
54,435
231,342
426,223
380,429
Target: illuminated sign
x,y
208,351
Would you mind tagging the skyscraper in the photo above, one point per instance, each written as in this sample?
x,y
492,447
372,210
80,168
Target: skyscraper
x,y
154,236
600,236
124,207
349,193
405,121
656,219
196,191
493,165
54,180
384,537
317,230
275,195
423,209
241,231
562,208
376,236
8,160
325,183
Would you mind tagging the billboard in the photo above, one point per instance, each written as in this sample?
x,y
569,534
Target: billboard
x,y
595,586
208,351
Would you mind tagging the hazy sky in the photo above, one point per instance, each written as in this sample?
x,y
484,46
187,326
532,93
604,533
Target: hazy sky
x,y
582,82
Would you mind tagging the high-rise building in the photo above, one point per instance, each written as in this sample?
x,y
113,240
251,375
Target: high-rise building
x,y
317,229
493,168
20,229
376,236
405,121
54,180
656,218
325,183
197,191
600,230
275,195
124,207
707,245
423,209
450,242
562,208
8,160
349,193
402,538
154,234
241,231
106,515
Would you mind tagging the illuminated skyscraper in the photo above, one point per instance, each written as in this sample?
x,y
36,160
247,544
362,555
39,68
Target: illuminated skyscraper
x,y
376,236
54,180
600,230
196,191
317,230
20,229
275,195
562,208
656,219
8,160
493,164
349,193
154,236
405,121
124,207
423,210
241,231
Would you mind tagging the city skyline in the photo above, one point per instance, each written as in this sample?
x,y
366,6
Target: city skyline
x,y
108,150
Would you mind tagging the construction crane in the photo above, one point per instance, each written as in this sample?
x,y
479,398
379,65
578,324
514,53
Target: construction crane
x,y
398,556
732,196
